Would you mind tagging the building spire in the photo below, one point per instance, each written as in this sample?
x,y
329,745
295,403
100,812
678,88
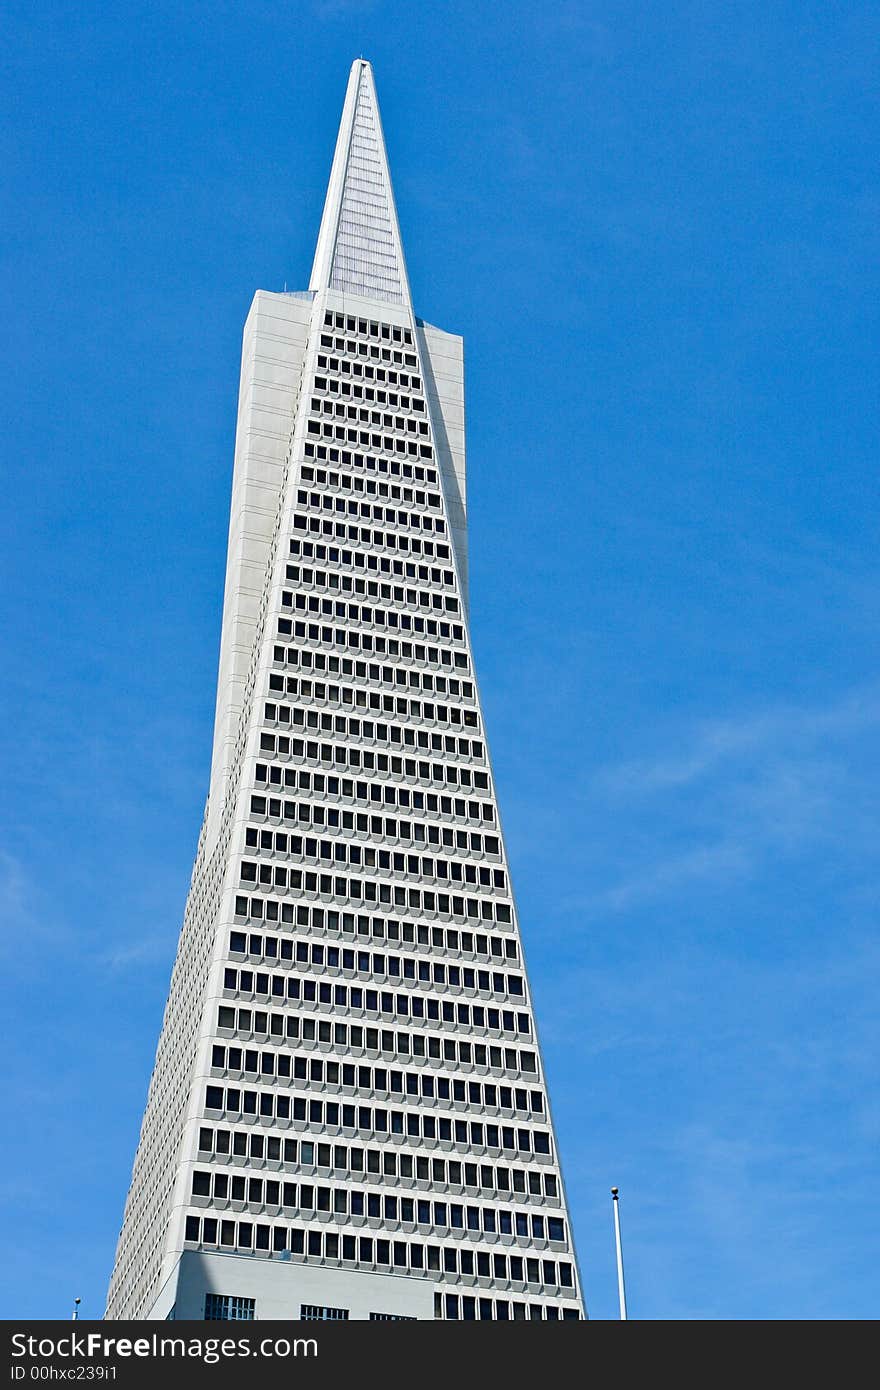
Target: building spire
x,y
359,249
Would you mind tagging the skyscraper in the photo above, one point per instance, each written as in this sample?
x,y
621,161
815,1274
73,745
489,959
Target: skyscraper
x,y
348,1114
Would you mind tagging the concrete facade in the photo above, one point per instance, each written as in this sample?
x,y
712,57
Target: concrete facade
x,y
281,1290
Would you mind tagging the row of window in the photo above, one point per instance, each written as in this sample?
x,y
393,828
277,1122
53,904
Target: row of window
x,y
420,1125
370,643
373,563
370,487
380,1080
340,756
368,891
341,852
355,997
375,395
305,813
367,328
351,727
376,1206
364,1164
367,371
467,1308
317,955
373,1252
307,689
387,376
381,928
368,588
367,463
369,511
381,564
389,444
369,617
278,879
417,900
361,415
383,540
373,793
369,351
447,686
458,1051
341,345
339,367
355,481
370,355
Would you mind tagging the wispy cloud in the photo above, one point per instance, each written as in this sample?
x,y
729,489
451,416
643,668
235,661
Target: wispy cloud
x,y
25,913
31,920
724,860
715,742
155,949
728,794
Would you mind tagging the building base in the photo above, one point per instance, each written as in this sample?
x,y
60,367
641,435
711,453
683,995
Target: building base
x,y
208,1285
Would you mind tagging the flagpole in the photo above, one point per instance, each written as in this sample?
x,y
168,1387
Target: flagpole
x,y
621,1287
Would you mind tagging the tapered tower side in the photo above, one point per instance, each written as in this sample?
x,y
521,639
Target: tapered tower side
x,y
273,350
149,1244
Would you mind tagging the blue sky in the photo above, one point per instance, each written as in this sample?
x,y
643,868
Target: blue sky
x,y
656,228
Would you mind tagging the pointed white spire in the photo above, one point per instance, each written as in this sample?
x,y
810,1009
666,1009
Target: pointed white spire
x,y
359,249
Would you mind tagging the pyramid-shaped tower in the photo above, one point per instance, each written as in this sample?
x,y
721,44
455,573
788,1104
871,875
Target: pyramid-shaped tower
x,y
348,1114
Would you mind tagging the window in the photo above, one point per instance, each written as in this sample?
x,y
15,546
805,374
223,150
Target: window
x,y
224,1307
311,1312
391,1317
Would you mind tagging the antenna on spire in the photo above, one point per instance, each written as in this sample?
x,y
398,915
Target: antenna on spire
x,y
75,1314
621,1287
